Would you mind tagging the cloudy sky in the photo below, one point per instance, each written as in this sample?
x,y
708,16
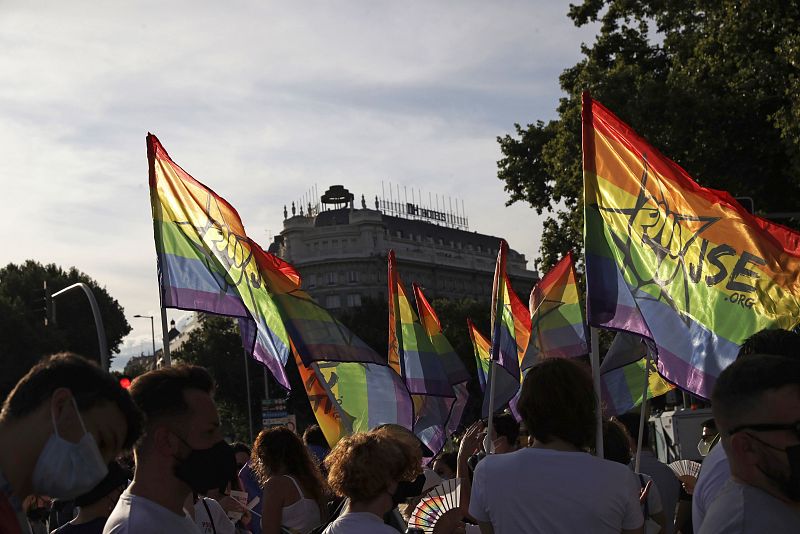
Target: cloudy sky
x,y
261,101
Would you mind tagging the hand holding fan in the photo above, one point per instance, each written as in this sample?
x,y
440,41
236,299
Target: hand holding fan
x,y
438,510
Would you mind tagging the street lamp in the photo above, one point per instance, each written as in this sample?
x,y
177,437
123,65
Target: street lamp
x,y
152,333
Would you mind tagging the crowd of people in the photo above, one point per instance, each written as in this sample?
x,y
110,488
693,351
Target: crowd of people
x,y
81,455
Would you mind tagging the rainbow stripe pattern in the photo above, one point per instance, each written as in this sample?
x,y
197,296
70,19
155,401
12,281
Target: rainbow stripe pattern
x,y
482,348
680,264
622,387
206,261
511,331
454,369
368,395
413,355
558,328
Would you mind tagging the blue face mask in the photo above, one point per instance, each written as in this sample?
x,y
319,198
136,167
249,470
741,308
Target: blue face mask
x,y
65,470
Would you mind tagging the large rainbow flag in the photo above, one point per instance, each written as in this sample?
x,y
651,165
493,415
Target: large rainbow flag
x,y
413,356
206,261
558,328
511,331
680,264
355,397
622,387
457,374
482,348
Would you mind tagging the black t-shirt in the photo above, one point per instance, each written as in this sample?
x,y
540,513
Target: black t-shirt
x,y
95,526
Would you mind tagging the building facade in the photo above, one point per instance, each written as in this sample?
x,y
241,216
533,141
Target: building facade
x,y
341,251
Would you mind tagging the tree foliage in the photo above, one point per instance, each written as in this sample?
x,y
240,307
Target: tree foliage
x,y
712,85
24,338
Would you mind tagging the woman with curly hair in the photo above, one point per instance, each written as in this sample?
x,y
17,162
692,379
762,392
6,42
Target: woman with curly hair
x,y
366,469
294,490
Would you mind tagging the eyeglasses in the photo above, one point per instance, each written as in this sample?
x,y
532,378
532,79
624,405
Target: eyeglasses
x,y
768,427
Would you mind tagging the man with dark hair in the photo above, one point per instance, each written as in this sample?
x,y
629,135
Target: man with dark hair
x,y
669,487
182,451
756,405
59,427
506,433
555,486
716,471
314,439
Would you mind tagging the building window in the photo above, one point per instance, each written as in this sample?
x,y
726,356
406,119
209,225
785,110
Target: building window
x,y
331,279
333,301
311,281
354,300
352,277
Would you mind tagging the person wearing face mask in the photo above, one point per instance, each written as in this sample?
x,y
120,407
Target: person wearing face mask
x,y
366,468
182,452
715,471
709,437
756,404
59,427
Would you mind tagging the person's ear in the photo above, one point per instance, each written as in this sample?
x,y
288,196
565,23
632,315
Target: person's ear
x,y
64,412
165,442
743,449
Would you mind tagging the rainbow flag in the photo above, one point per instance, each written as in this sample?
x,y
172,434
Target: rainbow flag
x,y
454,369
622,387
511,331
557,325
367,394
206,261
482,348
412,352
680,264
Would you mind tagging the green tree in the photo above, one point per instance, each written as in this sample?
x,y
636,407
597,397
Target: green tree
x,y
24,338
712,85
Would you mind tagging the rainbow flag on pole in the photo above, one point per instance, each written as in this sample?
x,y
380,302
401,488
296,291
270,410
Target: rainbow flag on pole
x,y
413,355
680,264
206,261
482,348
558,328
511,331
457,374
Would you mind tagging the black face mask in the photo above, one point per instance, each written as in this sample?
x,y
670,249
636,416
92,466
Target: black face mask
x,y
406,490
792,488
205,469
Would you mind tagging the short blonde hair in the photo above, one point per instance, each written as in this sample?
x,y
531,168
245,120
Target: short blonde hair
x,y
363,465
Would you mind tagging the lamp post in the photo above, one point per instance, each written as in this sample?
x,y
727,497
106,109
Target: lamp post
x,y
152,333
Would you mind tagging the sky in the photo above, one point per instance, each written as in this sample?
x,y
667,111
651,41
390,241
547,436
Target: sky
x,y
261,101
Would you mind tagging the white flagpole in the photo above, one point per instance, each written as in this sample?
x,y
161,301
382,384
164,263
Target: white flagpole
x,y
487,441
644,411
595,359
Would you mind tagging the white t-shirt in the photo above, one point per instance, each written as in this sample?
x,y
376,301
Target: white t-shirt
x,y
136,515
742,509
218,521
359,523
714,473
550,492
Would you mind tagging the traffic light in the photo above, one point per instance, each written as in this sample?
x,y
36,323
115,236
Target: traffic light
x,y
47,305
125,381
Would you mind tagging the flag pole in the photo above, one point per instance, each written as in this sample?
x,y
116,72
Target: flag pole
x,y
155,203
487,441
595,359
644,411
247,389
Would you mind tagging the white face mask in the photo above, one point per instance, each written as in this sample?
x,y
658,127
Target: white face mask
x,y
704,447
66,470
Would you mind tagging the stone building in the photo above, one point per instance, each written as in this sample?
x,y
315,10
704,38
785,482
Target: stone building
x,y
341,251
